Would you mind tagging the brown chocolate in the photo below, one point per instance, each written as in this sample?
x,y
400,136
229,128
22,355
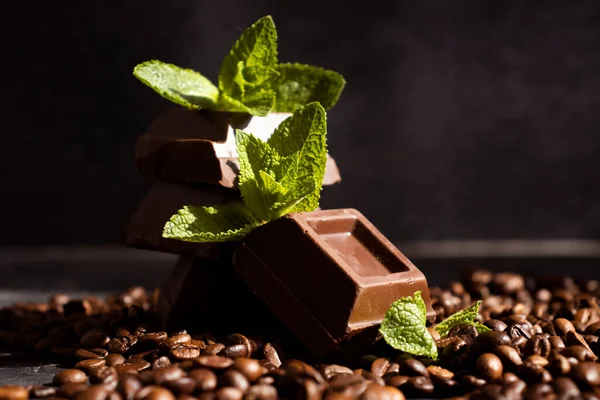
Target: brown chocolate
x,y
144,230
188,147
206,294
328,275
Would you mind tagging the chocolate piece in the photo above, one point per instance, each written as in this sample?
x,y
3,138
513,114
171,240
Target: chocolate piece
x,y
190,147
144,230
204,294
328,275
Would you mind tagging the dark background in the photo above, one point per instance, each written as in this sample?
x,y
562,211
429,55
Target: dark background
x,y
462,119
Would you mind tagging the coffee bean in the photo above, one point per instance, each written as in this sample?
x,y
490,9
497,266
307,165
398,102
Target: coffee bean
x,y
148,355
213,362
536,360
70,376
161,362
537,345
122,344
297,368
349,385
556,342
396,380
496,325
154,393
559,365
229,393
466,332
88,365
487,341
519,329
471,382
237,338
489,366
178,338
586,374
330,370
184,351
84,354
169,373
95,338
534,374
271,354
563,326
95,392
593,329
508,283
183,385
261,392
235,351
251,368
13,392
575,339
565,388
413,367
580,353
154,337
205,379
213,349
69,390
128,386
418,386
370,377
113,359
377,392
537,391
40,392
124,369
380,366
234,378
508,355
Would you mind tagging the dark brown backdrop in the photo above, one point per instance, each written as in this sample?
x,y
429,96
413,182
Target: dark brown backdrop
x,y
461,119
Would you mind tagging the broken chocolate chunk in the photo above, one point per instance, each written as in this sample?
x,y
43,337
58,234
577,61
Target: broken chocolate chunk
x,y
328,275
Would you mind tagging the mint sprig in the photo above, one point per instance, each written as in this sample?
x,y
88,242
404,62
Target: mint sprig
x,y
404,325
250,80
276,177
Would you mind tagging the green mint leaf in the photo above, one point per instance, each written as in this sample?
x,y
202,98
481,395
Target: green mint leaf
x,y
257,47
466,316
181,86
404,327
481,328
304,133
259,106
210,224
299,84
256,159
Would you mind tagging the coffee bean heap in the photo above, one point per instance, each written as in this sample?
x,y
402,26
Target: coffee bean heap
x,y
543,344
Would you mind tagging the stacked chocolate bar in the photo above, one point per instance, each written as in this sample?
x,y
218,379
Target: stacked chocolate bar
x,y
192,156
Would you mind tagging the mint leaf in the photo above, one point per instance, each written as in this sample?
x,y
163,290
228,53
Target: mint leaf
x,y
466,316
403,327
257,47
305,133
259,106
210,224
481,328
256,159
185,87
299,84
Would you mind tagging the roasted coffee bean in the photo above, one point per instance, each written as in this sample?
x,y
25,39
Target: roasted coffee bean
x,y
438,373
466,332
496,325
297,368
377,392
88,365
251,368
205,379
508,283
593,329
69,390
213,349
183,385
261,392
229,393
148,355
580,353
434,334
122,344
575,339
41,392
556,342
471,382
509,356
70,376
104,375
154,337
418,386
114,359
161,362
94,392
213,362
565,388
154,393
184,352
169,373
13,392
331,370
178,338
586,374
369,376
518,329
380,366
95,338
487,341
559,365
411,367
83,354
536,360
234,378
537,345
563,326
348,385
237,338
128,386
271,354
235,351
489,366
396,380
537,391
534,374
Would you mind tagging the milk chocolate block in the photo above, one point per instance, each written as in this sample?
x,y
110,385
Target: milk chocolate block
x,y
328,275
144,230
191,147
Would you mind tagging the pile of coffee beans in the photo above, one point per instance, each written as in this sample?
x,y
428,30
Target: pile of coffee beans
x,y
543,344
